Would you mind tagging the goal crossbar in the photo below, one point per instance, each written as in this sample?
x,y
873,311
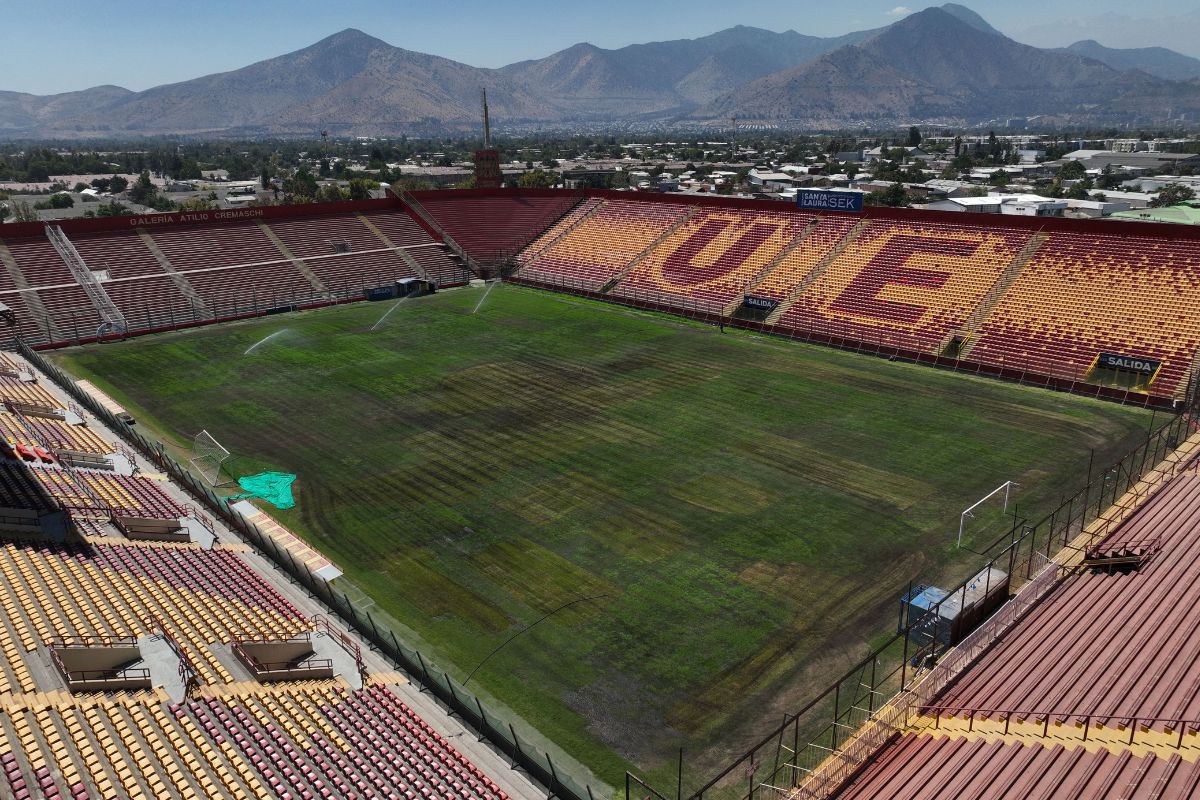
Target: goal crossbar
x,y
1004,487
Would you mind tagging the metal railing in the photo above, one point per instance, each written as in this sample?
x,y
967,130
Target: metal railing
x,y
1084,721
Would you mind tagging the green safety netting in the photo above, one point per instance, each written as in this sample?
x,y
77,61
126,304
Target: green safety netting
x,y
274,487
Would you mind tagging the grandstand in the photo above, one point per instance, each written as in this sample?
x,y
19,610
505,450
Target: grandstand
x,y
110,572
999,296
122,672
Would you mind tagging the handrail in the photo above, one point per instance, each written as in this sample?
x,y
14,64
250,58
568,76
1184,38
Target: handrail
x,y
344,641
1091,719
187,670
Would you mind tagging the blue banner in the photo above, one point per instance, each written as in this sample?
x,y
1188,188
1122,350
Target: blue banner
x,y
824,200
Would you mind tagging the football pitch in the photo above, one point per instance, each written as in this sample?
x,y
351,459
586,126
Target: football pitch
x,y
717,524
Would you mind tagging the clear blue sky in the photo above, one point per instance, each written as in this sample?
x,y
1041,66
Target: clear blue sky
x,y
60,45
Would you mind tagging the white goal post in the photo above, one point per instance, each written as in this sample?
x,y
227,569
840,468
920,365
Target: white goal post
x,y
1004,487
207,457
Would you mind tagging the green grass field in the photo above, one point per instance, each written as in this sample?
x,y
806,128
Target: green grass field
x,y
744,511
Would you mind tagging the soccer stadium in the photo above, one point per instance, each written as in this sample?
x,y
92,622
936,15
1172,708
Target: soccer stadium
x,y
596,493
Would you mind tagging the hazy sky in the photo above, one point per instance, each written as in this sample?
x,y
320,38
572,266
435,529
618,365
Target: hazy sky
x,y
52,46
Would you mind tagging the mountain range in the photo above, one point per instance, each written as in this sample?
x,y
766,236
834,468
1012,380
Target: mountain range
x,y
942,65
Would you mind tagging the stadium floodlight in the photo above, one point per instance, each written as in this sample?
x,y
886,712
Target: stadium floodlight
x,y
962,518
207,457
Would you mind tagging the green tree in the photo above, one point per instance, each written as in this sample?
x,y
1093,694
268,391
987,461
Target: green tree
x,y
360,188
113,209
56,201
537,179
999,178
4,212
331,193
1072,171
1172,195
300,188
893,196
143,191
914,136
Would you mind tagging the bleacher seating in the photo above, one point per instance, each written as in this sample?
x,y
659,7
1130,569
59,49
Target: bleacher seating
x,y
139,285
885,280
14,390
496,226
941,768
805,256
709,260
71,313
603,244
435,259
1084,294
1109,643
20,488
910,284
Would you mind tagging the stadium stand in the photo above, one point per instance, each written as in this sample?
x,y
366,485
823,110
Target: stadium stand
x,y
1109,642
494,226
915,281
181,269
1032,299
1091,691
930,766
602,245
1083,294
712,258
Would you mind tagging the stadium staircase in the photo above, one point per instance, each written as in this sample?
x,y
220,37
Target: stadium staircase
x,y
582,215
298,263
417,268
647,250
966,334
32,301
179,279
770,267
817,272
111,317
418,210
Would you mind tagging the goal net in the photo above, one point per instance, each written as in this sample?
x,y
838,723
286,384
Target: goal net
x,y
207,457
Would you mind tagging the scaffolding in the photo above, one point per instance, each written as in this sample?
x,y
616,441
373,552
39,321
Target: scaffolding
x,y
111,318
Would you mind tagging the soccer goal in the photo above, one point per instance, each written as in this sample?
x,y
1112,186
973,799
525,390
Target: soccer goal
x,y
207,457
988,517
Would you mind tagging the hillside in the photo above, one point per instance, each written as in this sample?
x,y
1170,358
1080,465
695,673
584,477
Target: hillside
x,y
1157,61
944,65
934,66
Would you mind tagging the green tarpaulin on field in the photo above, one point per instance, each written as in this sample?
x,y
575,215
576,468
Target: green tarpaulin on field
x,y
274,487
